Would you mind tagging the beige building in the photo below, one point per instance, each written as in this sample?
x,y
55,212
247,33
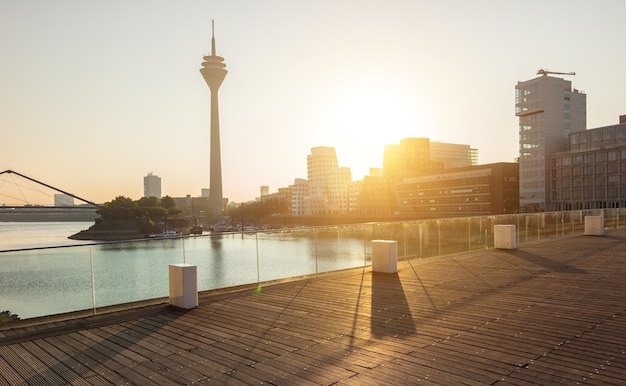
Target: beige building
x,y
152,186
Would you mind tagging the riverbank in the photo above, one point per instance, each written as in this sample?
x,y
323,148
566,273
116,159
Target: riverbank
x,y
47,214
111,230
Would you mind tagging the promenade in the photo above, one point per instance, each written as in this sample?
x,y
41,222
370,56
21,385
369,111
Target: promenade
x,y
548,312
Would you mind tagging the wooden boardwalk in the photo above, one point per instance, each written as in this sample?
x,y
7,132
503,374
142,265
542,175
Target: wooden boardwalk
x,y
550,312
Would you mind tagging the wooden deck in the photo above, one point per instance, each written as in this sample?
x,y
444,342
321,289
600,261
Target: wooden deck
x,y
548,312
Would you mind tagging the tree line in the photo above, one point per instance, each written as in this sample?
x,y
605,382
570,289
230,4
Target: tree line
x,y
124,208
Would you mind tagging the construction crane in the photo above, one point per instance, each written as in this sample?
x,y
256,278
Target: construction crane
x,y
546,72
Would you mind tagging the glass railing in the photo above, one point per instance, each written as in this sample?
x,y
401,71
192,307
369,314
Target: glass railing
x,y
47,281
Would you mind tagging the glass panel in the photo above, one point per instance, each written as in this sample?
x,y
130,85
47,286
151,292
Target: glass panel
x,y
339,248
285,254
45,281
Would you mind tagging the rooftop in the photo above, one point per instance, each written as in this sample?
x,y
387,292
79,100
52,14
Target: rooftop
x,y
547,312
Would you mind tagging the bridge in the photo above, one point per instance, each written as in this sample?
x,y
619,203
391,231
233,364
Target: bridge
x,y
91,205
30,212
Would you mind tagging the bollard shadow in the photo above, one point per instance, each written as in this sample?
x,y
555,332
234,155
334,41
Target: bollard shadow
x,y
391,314
544,262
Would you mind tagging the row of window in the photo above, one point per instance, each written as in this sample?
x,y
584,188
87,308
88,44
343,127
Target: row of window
x,y
446,200
588,182
591,193
589,170
591,158
480,208
589,205
598,135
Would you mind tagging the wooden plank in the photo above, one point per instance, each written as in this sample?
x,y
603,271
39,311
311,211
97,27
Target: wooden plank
x,y
8,374
50,364
88,363
30,369
70,361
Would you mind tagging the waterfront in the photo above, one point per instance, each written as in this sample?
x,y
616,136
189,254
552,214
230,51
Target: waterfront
x,y
54,280
47,281
549,313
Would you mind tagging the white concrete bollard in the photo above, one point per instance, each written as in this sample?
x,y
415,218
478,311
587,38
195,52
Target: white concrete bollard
x,y
504,237
384,256
594,226
183,285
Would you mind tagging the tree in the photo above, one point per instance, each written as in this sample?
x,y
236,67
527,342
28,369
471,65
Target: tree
x,y
174,211
7,316
120,208
148,202
167,202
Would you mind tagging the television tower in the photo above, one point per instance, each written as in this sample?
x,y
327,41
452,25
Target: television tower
x,y
213,71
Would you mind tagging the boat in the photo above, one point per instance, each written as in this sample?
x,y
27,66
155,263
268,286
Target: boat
x,y
163,235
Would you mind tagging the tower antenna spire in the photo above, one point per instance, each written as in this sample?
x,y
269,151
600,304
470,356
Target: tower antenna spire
x,y
212,37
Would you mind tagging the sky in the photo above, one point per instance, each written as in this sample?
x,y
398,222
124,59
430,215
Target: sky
x,y
96,95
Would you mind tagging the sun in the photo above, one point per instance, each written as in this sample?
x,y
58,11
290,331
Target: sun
x,y
363,118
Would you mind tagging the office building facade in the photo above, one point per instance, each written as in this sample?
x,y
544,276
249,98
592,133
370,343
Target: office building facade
x,y
592,173
470,191
61,199
152,186
299,192
453,155
548,110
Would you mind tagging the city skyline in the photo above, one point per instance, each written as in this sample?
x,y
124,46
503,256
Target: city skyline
x,y
94,96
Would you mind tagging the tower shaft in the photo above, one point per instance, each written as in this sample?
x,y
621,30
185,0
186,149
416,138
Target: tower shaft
x,y
215,176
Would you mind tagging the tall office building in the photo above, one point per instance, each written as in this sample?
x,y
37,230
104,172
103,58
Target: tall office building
x,y
299,193
63,200
548,110
152,186
339,191
408,159
213,71
321,163
453,155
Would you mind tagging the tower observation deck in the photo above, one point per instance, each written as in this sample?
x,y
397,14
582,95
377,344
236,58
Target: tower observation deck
x,y
213,71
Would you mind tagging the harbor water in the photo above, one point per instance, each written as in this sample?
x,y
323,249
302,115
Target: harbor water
x,y
74,275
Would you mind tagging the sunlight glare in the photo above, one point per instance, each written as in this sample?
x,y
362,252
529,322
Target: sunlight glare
x,y
366,119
